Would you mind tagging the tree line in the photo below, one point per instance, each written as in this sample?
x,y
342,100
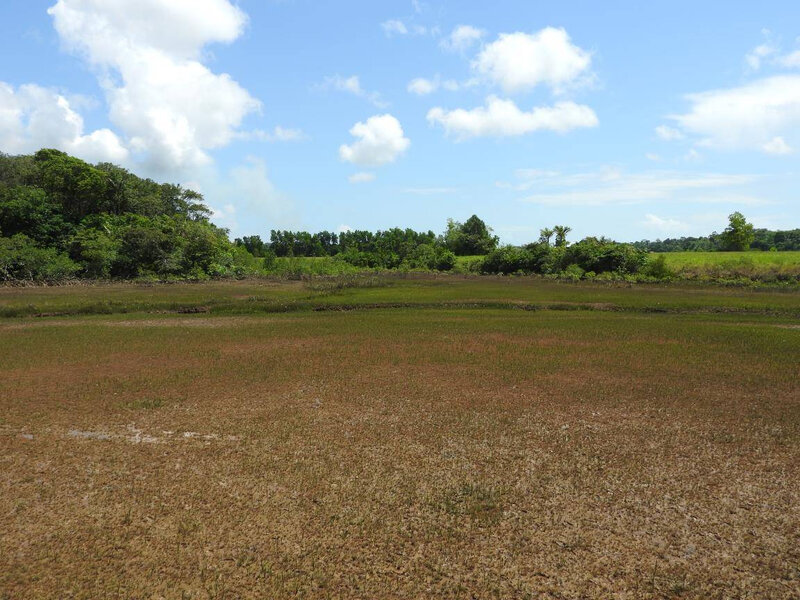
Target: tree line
x,y
62,218
738,236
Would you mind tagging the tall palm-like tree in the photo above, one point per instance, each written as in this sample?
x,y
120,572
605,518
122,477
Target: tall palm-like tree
x,y
545,235
561,232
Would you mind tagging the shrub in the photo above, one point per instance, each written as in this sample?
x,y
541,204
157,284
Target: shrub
x,y
658,269
21,259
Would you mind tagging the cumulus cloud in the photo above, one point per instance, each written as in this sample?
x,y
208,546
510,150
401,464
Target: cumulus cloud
x,y
462,38
170,107
755,116
361,177
379,141
520,61
33,117
503,118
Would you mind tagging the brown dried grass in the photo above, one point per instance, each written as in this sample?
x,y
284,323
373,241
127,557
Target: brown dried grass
x,y
401,454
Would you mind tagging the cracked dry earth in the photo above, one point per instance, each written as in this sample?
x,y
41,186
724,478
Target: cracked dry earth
x,y
401,454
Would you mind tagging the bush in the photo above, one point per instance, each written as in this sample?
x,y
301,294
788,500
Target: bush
x,y
602,255
507,260
573,273
432,258
21,259
95,250
658,269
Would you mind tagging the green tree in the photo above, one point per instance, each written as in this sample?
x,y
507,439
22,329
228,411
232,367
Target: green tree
x,y
29,210
78,187
738,235
561,232
470,238
545,235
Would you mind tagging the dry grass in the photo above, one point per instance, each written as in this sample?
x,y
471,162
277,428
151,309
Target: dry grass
x,y
405,453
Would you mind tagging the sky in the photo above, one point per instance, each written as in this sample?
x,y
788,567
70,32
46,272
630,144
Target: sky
x,y
633,120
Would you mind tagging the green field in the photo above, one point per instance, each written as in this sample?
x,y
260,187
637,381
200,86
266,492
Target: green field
x,y
680,260
400,437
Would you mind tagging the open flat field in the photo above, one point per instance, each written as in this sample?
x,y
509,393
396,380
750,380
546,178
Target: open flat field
x,y
399,438
767,259
754,265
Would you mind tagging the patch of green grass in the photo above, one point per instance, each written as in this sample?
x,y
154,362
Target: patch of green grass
x,y
307,266
679,260
735,267
393,291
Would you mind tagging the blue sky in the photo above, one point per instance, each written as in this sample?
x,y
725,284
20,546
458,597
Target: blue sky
x,y
626,119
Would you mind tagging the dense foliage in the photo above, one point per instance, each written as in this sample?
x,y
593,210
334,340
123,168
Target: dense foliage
x,y
470,238
586,258
62,217
384,249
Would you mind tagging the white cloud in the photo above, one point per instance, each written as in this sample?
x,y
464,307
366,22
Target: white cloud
x,y
520,61
462,38
422,87
668,133
170,107
790,61
652,156
502,118
611,186
755,57
255,195
380,141
345,228
361,177
33,117
777,145
770,53
344,84
394,27
747,117
352,85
